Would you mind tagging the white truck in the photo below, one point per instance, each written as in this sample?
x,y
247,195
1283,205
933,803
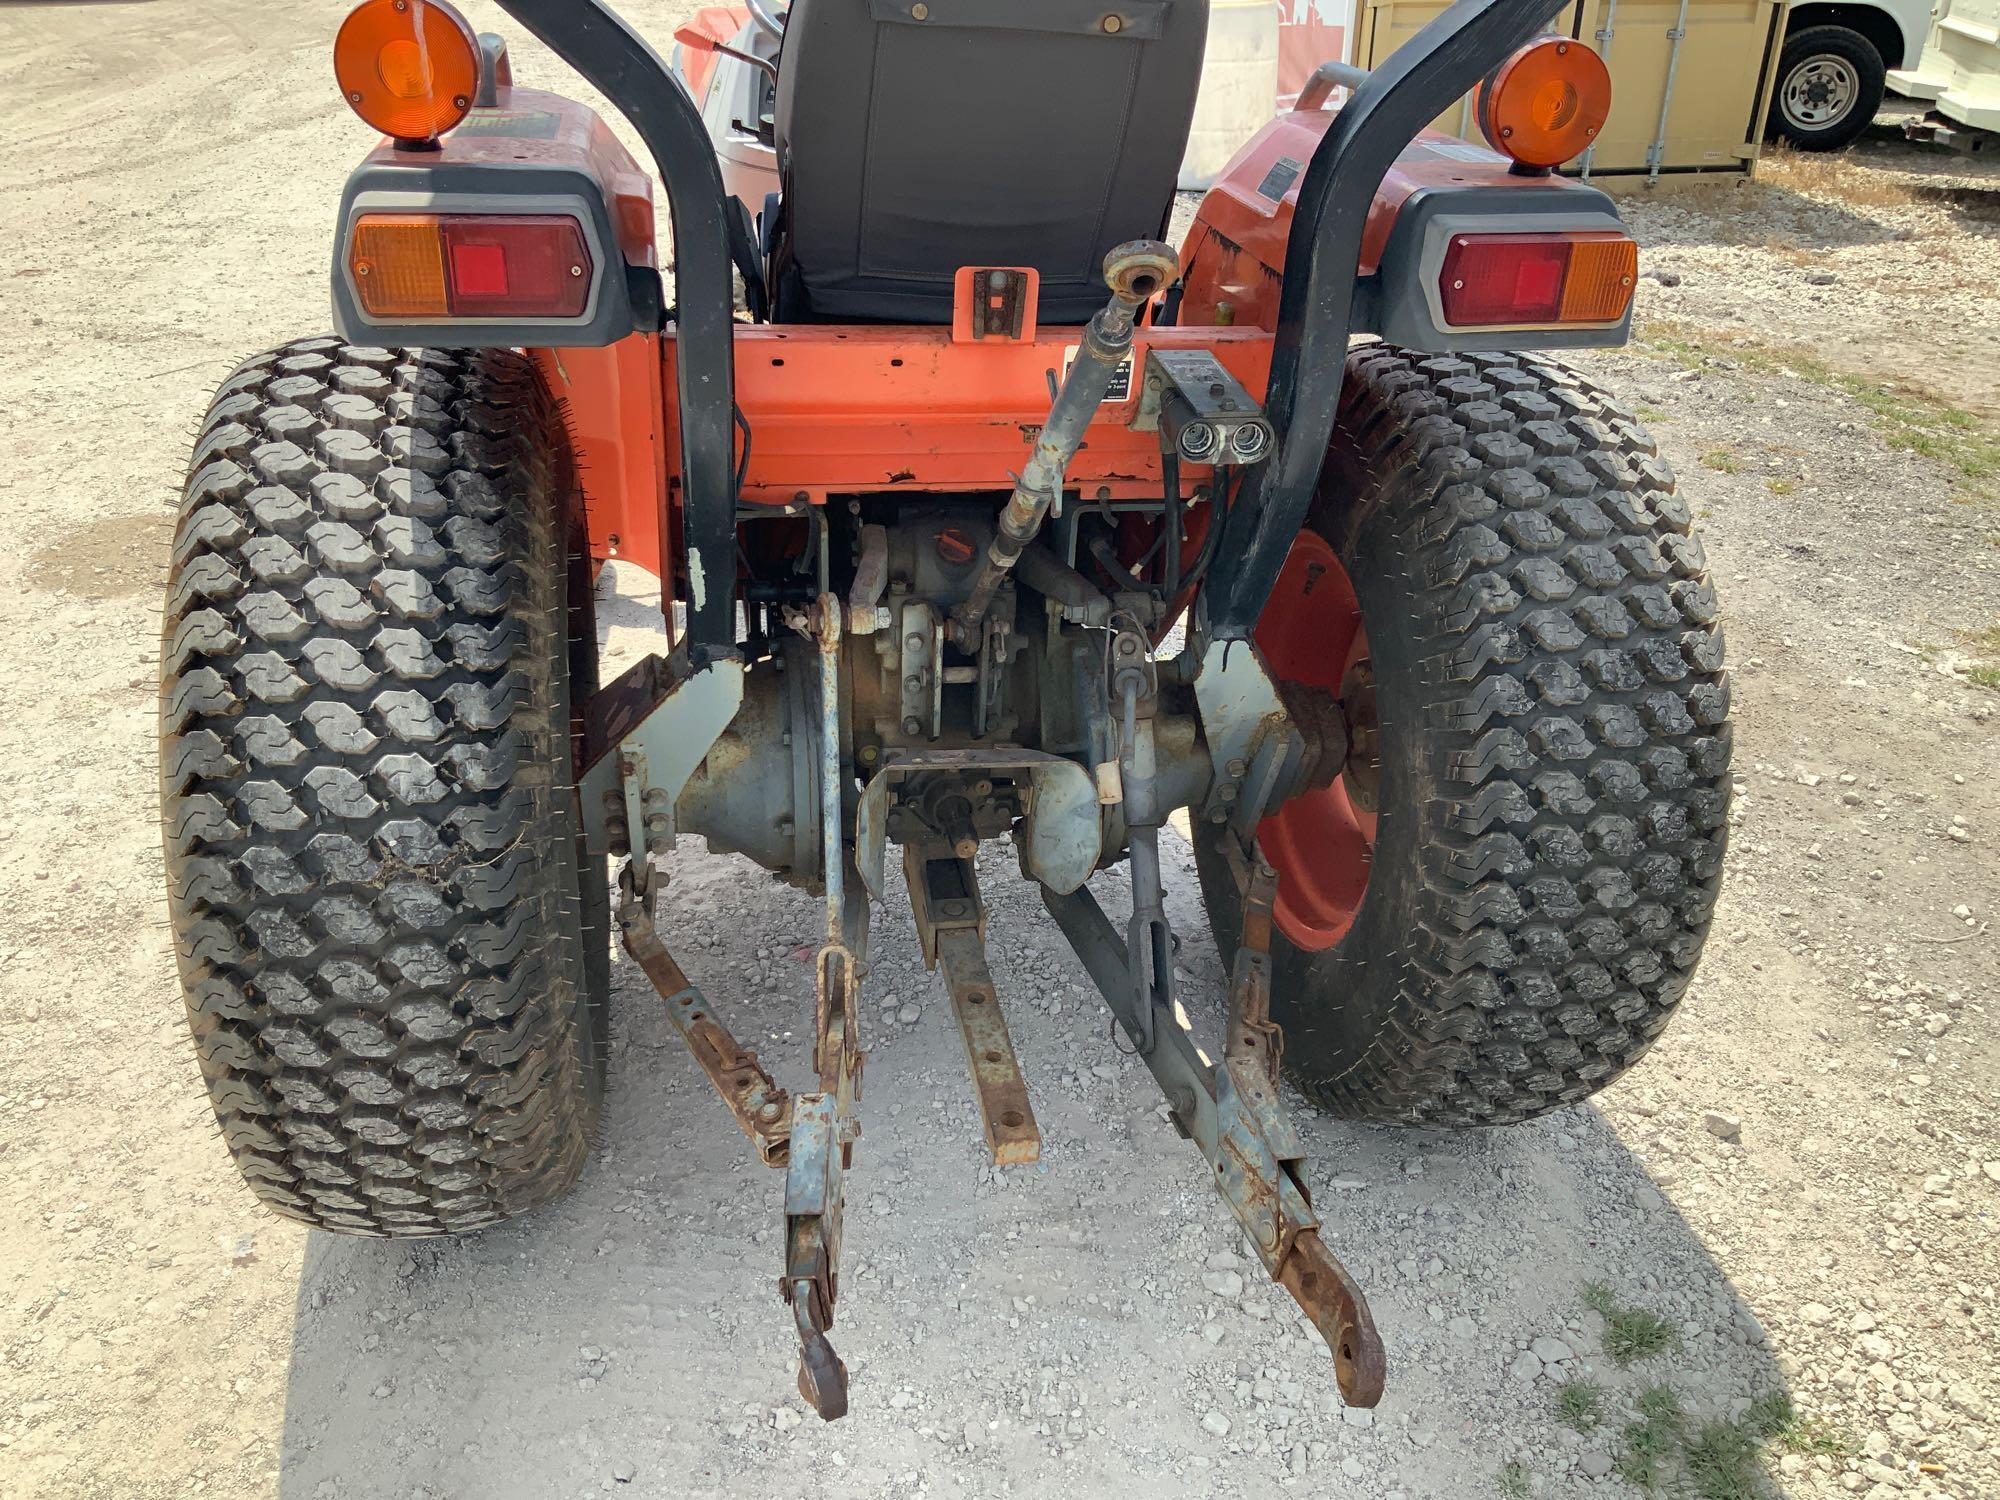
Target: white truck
x,y
1835,65
1958,77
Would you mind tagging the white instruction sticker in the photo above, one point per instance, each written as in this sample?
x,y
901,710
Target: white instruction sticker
x,y
1121,378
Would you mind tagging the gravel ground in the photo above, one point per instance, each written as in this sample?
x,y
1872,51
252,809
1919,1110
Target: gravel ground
x,y
1802,1181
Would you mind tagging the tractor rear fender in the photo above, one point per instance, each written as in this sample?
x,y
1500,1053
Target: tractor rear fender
x,y
536,153
1233,262
529,153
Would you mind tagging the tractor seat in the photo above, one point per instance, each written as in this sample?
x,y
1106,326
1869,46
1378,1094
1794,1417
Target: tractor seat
x,y
988,133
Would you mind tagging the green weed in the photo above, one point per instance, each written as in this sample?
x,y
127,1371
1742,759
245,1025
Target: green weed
x,y
1722,1462
1635,1333
1986,671
1776,1421
1580,1404
1645,1454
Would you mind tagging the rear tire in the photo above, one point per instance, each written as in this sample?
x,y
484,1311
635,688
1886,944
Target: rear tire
x,y
1553,754
392,957
1830,84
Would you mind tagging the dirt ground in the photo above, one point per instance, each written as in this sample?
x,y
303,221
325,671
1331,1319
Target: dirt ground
x,y
1802,1181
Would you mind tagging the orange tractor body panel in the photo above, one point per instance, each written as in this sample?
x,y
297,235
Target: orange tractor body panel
x,y
837,410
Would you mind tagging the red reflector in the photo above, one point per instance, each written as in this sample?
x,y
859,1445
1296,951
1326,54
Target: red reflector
x,y
516,266
479,270
1509,280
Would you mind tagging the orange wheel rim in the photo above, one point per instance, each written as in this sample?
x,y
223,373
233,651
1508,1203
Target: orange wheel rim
x,y
1321,842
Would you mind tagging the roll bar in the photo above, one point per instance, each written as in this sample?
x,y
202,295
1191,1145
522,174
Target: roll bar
x,y
618,63
1315,309
770,22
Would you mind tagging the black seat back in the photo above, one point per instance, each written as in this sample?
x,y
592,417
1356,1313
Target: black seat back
x,y
918,136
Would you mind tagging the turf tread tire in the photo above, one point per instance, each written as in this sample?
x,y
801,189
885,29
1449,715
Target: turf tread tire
x,y
1555,789
366,719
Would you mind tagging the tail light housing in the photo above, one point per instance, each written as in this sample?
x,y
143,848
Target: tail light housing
x,y
1536,280
419,267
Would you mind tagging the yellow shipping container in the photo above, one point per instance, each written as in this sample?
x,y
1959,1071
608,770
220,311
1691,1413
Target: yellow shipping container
x,y
1690,79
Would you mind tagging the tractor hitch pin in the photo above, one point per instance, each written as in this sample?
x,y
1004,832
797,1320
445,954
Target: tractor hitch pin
x,y
1232,1114
1134,271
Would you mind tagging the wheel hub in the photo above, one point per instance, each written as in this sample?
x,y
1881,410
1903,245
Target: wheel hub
x,y
1321,841
1819,92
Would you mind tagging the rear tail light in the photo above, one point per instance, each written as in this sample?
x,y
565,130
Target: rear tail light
x,y
1525,280
470,266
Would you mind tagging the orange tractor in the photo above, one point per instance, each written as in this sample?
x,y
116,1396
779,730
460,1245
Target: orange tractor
x,y
979,513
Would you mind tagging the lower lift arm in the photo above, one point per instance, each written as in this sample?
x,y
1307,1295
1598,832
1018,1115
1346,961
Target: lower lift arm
x,y
1231,1113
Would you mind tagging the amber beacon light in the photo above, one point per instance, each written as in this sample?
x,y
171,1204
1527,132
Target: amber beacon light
x,y
1546,103
407,67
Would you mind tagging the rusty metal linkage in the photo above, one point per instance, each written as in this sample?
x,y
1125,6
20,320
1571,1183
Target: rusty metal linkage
x,y
1233,1115
951,927
762,1108
824,1126
1276,1206
1134,271
1230,1111
811,1137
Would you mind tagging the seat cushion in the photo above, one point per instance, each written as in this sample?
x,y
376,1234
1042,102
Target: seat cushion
x,y
991,132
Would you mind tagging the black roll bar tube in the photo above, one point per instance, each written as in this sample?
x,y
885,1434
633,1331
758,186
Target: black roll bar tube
x,y
618,63
1322,259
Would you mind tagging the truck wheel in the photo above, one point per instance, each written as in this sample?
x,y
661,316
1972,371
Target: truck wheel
x,y
1830,83
1494,909
392,954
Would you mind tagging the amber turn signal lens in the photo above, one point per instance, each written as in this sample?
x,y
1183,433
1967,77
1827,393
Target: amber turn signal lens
x,y
407,67
398,266
1602,272
1546,103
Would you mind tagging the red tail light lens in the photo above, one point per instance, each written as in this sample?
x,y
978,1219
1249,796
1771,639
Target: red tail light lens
x,y
1514,280
519,266
470,265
